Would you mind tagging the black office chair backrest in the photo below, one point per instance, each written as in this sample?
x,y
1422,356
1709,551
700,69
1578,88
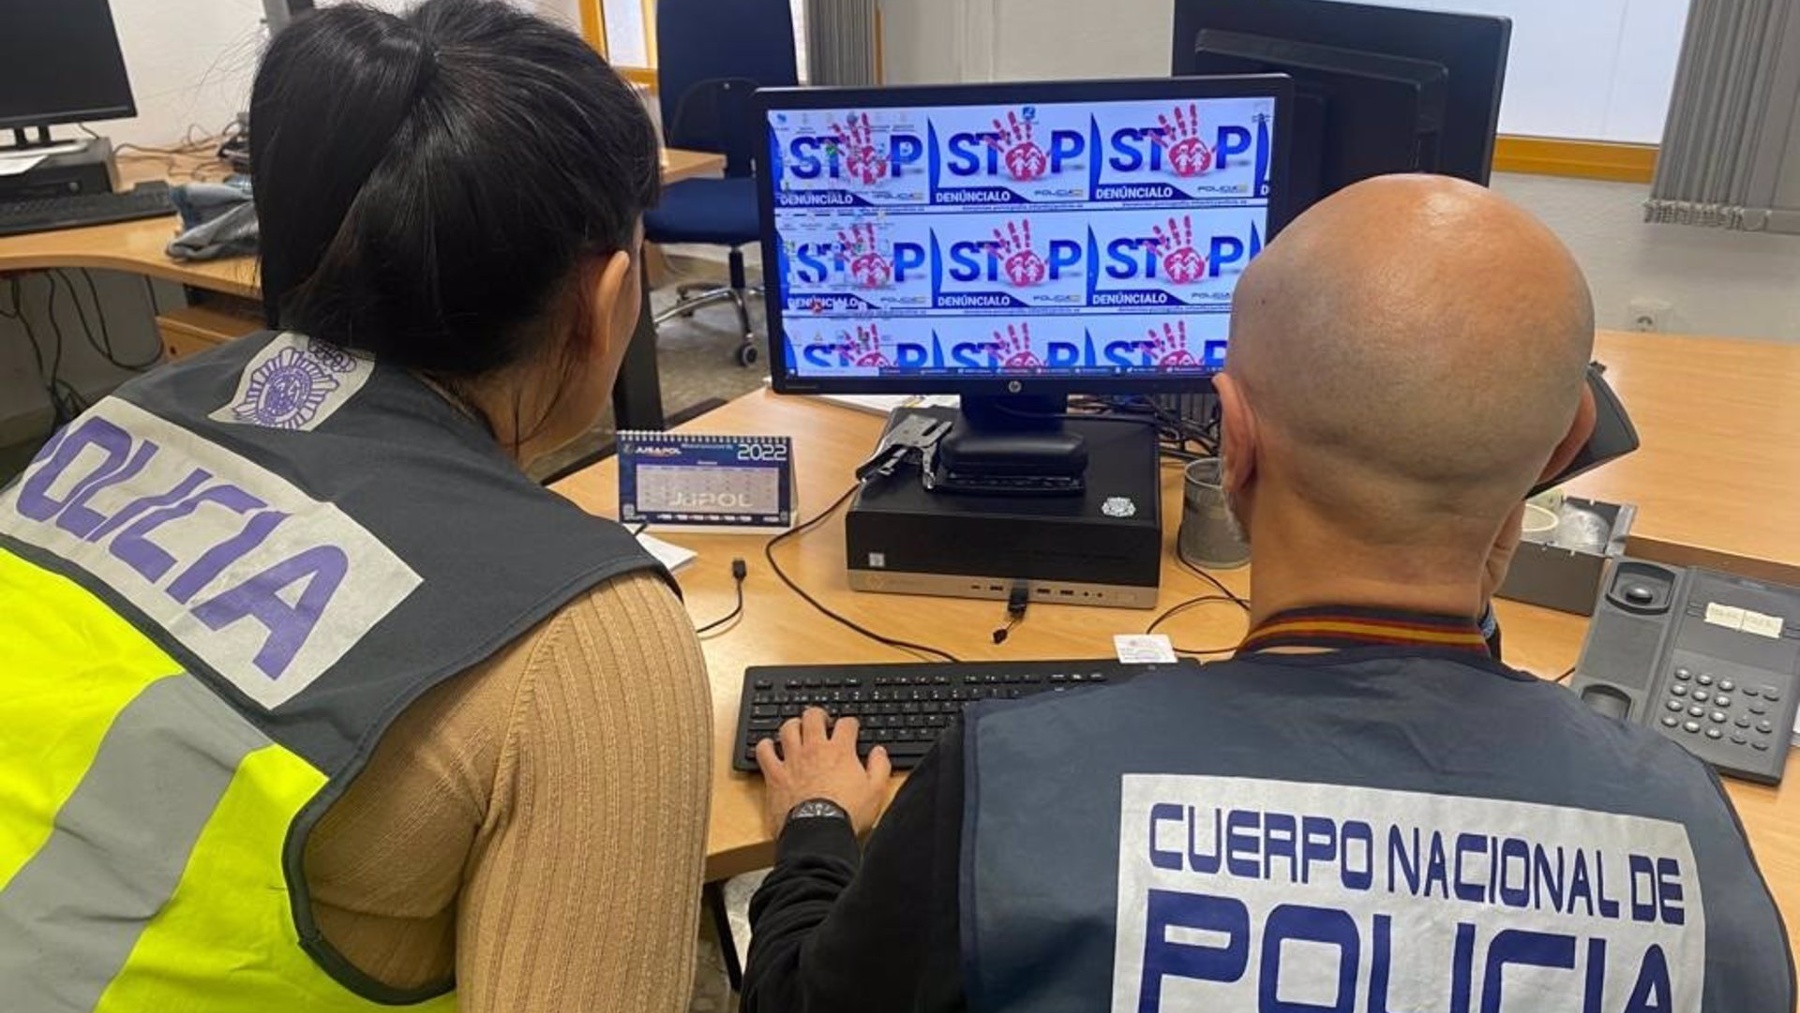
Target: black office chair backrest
x,y
710,54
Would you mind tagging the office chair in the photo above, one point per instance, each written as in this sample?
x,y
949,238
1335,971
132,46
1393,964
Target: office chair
x,y
711,56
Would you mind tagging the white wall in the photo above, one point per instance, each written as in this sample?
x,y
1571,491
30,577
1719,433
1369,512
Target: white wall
x,y
1597,69
1742,284
191,61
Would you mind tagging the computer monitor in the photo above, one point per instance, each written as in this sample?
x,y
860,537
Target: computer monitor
x,y
1376,89
60,63
278,14
1014,243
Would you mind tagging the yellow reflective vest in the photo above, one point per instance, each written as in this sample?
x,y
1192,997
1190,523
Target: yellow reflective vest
x,y
217,589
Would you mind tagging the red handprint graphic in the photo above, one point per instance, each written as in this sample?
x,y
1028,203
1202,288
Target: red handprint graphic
x,y
1014,348
868,268
1188,154
1022,264
864,347
862,159
1170,348
1181,263
1025,161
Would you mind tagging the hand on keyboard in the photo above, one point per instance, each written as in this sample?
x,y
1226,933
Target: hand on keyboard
x,y
818,760
903,707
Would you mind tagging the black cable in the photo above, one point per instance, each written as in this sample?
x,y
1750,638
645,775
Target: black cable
x,y
1179,608
738,572
65,401
1565,676
1174,431
1017,601
55,325
103,346
15,288
920,650
1209,578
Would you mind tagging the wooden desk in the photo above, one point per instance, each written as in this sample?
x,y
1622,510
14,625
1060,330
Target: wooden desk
x,y
1717,482
137,247
778,627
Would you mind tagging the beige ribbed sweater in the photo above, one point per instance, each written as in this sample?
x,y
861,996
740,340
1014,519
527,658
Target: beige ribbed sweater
x,y
536,825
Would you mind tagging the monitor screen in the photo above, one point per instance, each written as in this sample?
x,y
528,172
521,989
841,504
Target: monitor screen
x,y
1012,238
60,63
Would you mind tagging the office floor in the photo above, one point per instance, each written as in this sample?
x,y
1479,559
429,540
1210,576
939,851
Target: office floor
x,y
712,993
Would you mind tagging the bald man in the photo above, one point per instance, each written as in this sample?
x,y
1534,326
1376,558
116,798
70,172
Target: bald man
x,y
1363,809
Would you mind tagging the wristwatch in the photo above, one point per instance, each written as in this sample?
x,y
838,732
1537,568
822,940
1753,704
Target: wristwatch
x,y
817,808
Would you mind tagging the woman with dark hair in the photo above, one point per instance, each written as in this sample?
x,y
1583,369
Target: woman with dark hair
x,y
311,698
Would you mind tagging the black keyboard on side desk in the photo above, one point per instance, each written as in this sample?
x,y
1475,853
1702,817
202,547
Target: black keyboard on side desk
x,y
149,200
904,707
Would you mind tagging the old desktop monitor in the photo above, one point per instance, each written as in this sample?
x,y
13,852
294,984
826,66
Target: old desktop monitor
x,y
1014,243
1376,89
60,63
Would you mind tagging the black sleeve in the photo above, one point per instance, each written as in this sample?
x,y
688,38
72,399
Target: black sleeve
x,y
828,935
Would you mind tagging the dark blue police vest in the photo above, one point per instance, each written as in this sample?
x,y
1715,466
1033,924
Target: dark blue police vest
x,y
1360,831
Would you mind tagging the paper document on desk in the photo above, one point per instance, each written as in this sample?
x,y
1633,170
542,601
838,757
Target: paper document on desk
x,y
670,555
19,165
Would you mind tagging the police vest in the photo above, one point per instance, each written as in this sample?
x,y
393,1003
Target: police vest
x,y
217,589
1359,832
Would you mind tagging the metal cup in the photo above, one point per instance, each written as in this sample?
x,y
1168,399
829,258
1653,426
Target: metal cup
x,y
1208,537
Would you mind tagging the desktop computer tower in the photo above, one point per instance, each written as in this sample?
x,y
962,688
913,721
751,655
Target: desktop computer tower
x,y
1103,547
88,171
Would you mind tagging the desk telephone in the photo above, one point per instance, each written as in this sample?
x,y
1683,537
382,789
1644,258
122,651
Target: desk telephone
x,y
1708,659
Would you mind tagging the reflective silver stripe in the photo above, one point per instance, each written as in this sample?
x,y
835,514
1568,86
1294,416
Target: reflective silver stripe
x,y
70,917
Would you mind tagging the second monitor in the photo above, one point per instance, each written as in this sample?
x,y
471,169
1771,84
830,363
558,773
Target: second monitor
x,y
1015,243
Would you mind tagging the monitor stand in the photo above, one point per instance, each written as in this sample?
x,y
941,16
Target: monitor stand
x,y
25,143
1011,445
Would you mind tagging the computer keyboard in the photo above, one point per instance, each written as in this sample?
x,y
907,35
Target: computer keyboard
x,y
905,707
147,200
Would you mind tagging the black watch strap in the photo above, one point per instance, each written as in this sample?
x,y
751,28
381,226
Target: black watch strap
x,y
816,808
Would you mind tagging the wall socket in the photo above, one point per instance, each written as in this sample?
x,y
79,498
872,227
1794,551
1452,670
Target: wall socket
x,y
1649,315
